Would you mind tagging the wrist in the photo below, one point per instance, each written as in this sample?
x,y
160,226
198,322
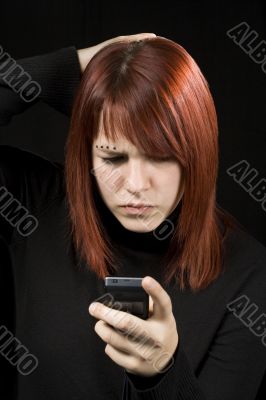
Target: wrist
x,y
82,59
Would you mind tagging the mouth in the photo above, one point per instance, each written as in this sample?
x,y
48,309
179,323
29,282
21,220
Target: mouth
x,y
136,205
137,209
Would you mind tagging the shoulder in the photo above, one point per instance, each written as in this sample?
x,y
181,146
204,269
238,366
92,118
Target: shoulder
x,y
244,266
241,249
32,177
13,155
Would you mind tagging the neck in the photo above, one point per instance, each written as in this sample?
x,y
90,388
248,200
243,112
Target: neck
x,y
155,241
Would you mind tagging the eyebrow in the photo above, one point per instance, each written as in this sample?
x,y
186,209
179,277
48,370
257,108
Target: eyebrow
x,y
106,151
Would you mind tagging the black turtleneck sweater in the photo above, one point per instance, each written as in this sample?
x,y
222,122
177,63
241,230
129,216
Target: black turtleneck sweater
x,y
219,355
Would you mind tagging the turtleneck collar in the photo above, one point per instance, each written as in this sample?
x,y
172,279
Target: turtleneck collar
x,y
149,242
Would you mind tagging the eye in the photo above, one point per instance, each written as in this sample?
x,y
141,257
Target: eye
x,y
113,159
160,159
121,158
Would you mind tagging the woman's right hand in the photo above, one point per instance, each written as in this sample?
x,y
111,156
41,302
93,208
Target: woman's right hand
x,y
85,55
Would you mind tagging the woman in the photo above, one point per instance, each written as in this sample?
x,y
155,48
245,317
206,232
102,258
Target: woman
x,y
143,131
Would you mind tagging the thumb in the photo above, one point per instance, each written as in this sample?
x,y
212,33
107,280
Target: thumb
x,y
162,305
150,306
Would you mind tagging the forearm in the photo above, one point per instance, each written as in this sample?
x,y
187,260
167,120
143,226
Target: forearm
x,y
57,74
179,382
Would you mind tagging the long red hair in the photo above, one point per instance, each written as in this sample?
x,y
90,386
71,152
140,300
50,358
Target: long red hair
x,y
155,94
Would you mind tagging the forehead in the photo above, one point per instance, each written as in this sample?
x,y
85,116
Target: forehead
x,y
118,141
120,145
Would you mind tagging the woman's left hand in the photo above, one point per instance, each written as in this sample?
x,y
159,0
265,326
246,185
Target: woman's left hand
x,y
142,347
85,55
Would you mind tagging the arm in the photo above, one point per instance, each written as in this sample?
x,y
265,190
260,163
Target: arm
x,y
57,74
179,382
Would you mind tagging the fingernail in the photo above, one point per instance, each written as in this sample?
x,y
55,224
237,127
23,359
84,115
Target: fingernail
x,y
92,307
150,283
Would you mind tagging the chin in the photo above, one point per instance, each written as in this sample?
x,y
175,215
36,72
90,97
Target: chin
x,y
137,229
137,225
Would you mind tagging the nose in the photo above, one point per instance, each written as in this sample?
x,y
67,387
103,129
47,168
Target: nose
x,y
137,178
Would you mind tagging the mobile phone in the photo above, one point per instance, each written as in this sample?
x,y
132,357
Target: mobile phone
x,y
126,294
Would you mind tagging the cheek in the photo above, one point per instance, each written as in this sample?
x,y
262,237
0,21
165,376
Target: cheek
x,y
102,173
108,180
99,169
99,172
170,178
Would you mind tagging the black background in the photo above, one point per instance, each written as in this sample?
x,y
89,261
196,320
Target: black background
x,y
237,83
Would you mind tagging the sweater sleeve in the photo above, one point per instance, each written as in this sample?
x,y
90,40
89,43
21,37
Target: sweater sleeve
x,y
234,364
178,382
56,75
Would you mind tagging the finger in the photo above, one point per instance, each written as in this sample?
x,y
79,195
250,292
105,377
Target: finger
x,y
122,342
127,38
121,320
162,305
111,336
133,38
150,306
139,35
123,360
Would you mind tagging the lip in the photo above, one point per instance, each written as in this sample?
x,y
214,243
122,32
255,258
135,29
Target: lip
x,y
136,205
137,210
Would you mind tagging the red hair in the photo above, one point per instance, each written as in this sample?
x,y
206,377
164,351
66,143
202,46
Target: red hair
x,y
154,94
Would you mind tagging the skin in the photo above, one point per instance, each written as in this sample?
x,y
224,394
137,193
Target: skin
x,y
85,55
124,175
144,180
142,347
149,350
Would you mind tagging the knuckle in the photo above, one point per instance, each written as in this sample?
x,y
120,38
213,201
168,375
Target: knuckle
x,y
158,342
173,322
96,326
125,324
168,302
107,336
147,356
135,365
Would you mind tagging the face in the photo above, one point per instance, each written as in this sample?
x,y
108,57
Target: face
x,y
126,176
